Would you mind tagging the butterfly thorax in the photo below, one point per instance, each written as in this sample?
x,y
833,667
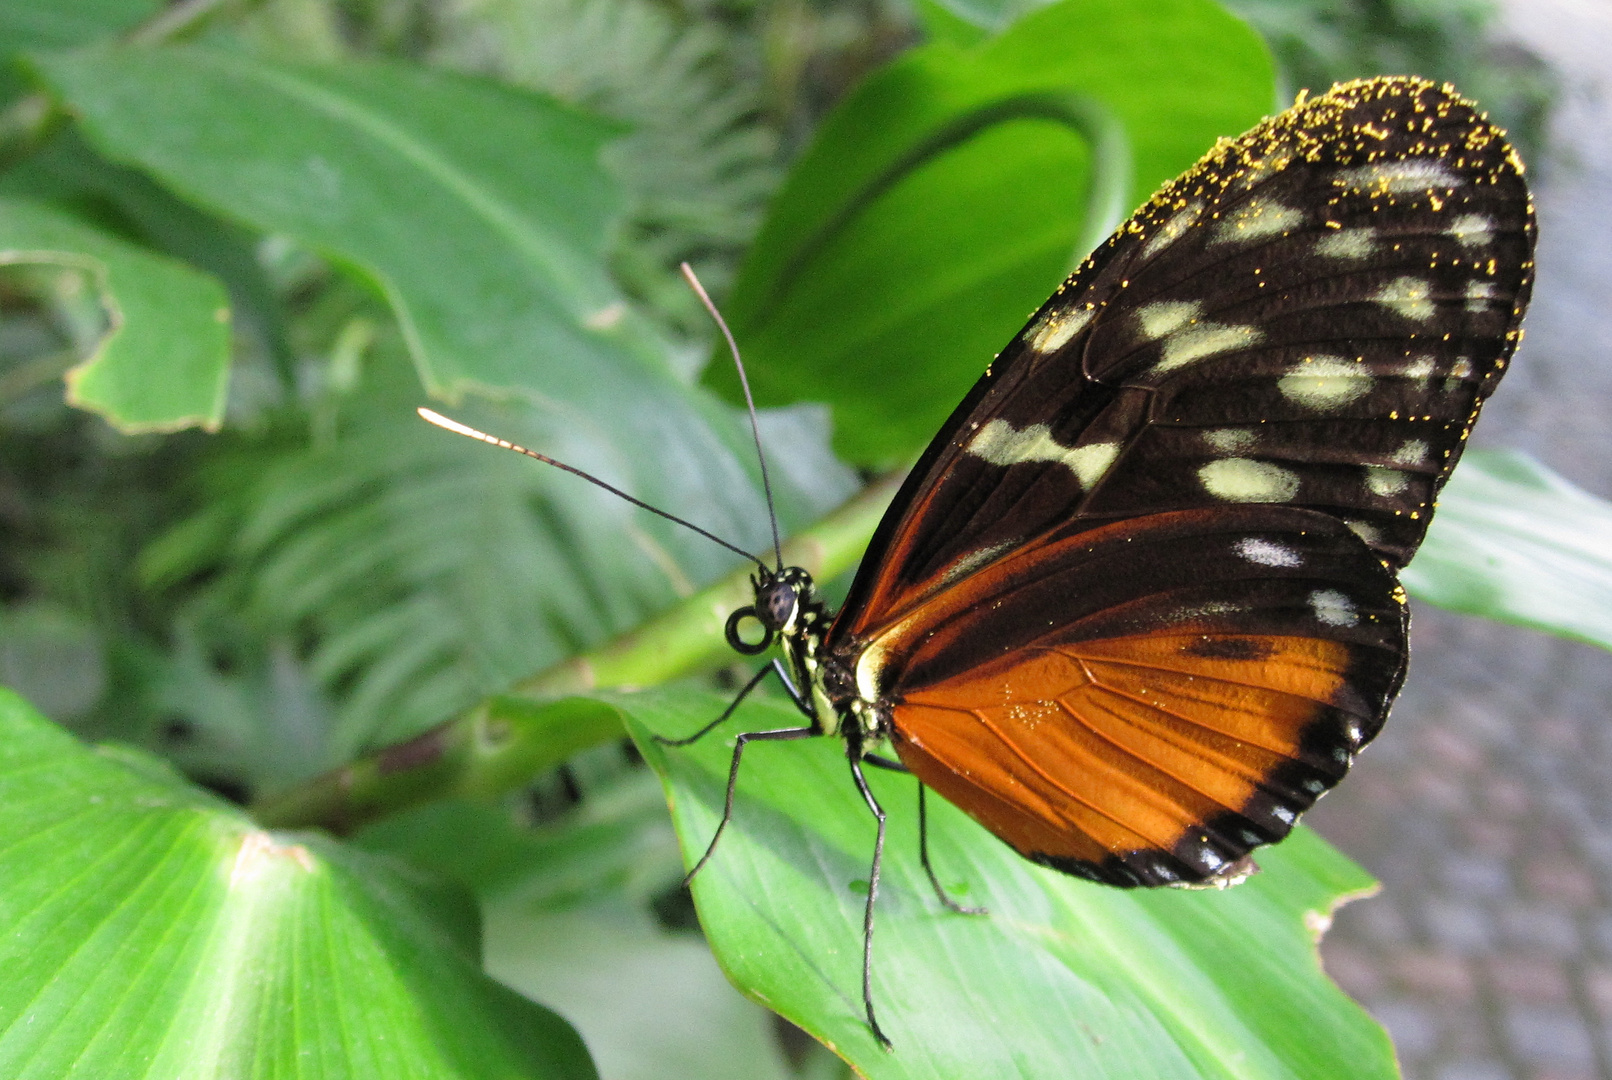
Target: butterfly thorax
x,y
788,605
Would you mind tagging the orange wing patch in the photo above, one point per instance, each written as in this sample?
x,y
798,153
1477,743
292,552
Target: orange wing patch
x,y
1141,759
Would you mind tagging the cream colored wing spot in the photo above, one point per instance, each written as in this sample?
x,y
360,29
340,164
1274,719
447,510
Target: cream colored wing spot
x,y
1173,229
1472,230
869,671
1365,530
1247,480
1385,482
1414,452
1056,329
974,560
1410,297
1267,553
1347,244
999,443
1161,319
1200,340
1231,440
1333,608
1420,368
1479,294
1324,382
1399,177
1255,220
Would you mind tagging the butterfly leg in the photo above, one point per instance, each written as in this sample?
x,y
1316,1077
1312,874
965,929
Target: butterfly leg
x,y
873,894
923,856
744,740
755,680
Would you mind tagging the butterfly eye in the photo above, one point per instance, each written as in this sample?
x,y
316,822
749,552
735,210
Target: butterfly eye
x,y
776,604
738,643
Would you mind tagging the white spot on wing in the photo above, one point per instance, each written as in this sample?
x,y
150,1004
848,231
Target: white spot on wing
x,y
1472,230
1000,444
1266,552
1411,297
1173,229
1333,608
1347,244
1398,177
1414,452
1479,293
975,559
1055,329
1165,317
1246,480
1385,482
1204,340
1365,530
1420,368
1324,382
1231,440
1255,220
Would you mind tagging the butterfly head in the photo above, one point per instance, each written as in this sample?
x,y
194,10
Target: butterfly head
x,y
780,598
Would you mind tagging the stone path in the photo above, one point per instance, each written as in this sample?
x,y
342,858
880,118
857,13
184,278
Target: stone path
x,y
1486,805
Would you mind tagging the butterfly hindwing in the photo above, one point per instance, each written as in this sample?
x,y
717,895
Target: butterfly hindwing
x,y
1135,608
1209,675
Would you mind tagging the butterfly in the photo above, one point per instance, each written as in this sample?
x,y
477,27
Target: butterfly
x,y
1135,608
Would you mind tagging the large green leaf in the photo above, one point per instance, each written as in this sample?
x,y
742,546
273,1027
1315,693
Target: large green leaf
x,y
570,919
945,198
478,211
51,24
1063,977
147,929
164,362
1514,541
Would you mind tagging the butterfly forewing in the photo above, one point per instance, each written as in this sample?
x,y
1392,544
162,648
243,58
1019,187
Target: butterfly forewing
x,y
1135,608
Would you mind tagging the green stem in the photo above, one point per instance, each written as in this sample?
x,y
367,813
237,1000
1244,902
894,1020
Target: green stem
x,y
506,740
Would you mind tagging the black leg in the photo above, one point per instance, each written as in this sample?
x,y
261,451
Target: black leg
x,y
879,761
755,680
733,778
923,856
873,894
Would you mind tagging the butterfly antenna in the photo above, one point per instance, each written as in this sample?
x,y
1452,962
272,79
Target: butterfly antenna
x,y
750,403
462,429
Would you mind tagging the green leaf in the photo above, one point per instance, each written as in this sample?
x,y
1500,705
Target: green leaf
x,y
51,24
151,930
478,211
1063,977
164,361
1514,541
944,199
570,919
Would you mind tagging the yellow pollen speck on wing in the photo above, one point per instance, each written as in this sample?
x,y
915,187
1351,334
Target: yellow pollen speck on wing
x,y
1411,297
1324,382
1246,480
